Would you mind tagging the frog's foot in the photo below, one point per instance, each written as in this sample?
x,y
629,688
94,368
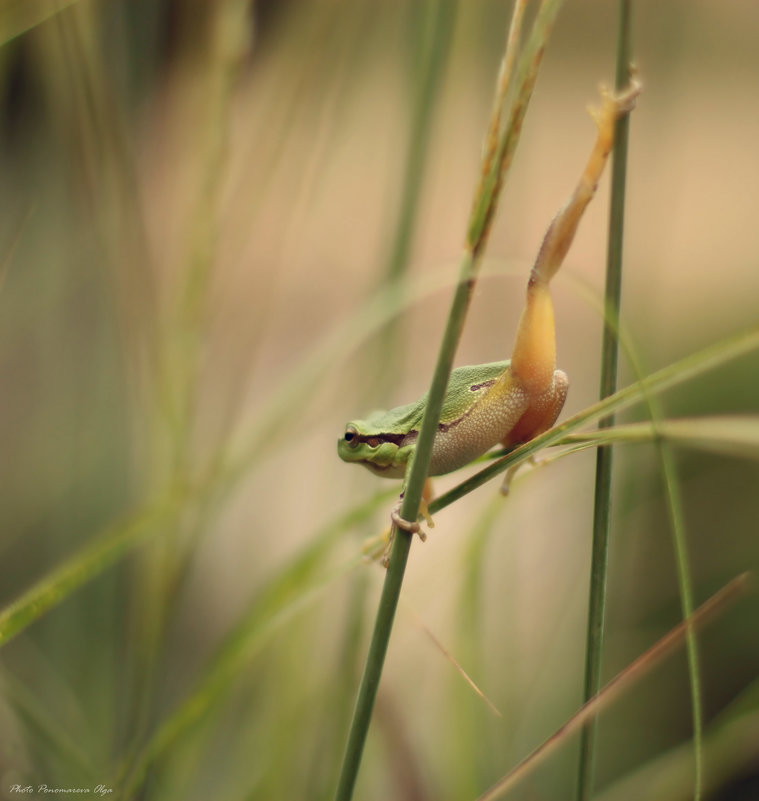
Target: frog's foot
x,y
616,104
424,511
506,485
407,525
384,559
377,549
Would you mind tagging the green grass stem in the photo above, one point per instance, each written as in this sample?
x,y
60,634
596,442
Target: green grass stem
x,y
429,81
604,455
81,568
685,588
482,214
430,54
727,435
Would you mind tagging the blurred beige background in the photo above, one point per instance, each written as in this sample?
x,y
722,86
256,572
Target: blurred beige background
x,y
196,197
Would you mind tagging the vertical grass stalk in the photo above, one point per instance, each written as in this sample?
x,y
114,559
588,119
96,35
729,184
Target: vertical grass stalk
x,y
685,588
429,80
483,211
440,18
609,358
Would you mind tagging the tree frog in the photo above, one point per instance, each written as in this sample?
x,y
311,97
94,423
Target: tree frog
x,y
507,402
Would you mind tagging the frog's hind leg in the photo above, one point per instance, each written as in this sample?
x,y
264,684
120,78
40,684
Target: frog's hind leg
x,y
533,360
541,415
542,412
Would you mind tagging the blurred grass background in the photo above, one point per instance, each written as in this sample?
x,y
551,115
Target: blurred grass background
x,y
197,195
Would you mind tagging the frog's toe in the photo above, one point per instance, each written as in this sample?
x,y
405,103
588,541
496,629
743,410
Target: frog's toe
x,y
407,525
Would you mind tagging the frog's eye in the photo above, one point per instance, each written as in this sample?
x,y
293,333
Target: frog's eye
x,y
351,436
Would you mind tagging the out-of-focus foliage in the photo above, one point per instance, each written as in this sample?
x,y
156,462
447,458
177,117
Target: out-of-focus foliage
x,y
198,203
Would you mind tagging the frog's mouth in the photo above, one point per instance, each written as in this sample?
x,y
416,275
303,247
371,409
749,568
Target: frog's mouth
x,y
384,470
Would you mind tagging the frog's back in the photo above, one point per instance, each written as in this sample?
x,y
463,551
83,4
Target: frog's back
x,y
478,378
400,418
474,378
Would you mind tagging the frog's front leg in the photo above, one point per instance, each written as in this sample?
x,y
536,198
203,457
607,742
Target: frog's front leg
x,y
414,527
380,547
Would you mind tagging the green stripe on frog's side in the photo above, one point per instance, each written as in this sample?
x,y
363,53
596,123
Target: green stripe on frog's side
x,y
501,402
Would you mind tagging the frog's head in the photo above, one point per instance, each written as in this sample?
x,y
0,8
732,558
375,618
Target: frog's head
x,y
379,452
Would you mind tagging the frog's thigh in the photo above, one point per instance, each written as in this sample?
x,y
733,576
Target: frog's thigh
x,y
554,401
542,413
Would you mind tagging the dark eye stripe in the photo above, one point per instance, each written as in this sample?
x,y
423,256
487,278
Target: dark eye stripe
x,y
483,385
375,440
